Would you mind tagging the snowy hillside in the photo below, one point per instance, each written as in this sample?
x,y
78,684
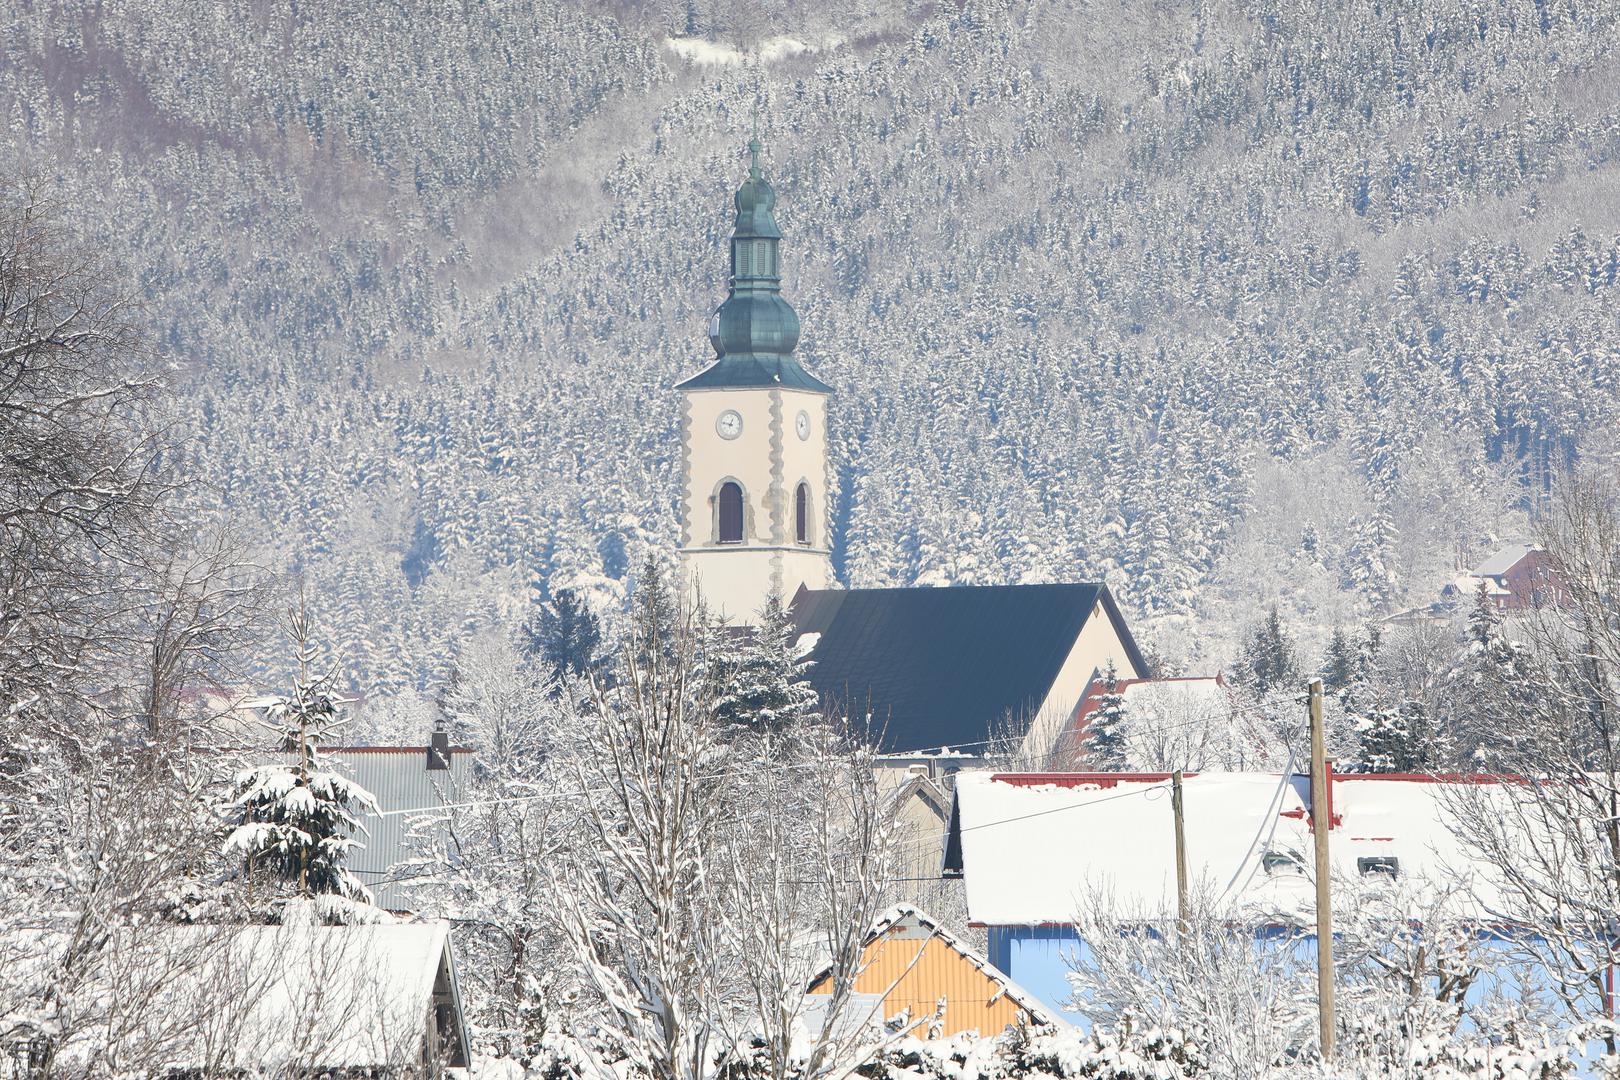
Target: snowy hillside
x,y
1225,303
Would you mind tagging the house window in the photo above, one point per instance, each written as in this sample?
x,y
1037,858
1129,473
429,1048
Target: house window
x,y
801,514
731,513
1379,864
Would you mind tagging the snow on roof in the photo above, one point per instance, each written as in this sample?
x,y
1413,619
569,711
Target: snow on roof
x,y
302,996
902,913
1033,847
1469,584
1504,560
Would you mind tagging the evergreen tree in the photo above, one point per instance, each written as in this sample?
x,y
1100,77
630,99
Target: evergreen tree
x,y
1105,738
294,822
760,675
1341,666
1268,658
1399,740
565,636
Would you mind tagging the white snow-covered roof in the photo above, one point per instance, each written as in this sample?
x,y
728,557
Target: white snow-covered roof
x,y
1503,560
1468,584
1033,847
294,997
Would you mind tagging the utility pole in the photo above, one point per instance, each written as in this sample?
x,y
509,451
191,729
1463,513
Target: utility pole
x,y
1321,819
1176,808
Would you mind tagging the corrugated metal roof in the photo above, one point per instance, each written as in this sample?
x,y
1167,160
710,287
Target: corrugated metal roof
x,y
399,779
944,667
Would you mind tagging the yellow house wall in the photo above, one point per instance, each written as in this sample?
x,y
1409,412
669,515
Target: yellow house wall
x,y
907,980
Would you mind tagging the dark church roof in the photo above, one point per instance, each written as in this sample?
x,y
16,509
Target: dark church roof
x,y
944,667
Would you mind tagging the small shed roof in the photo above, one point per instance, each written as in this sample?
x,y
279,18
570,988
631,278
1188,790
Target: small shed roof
x,y
302,997
942,667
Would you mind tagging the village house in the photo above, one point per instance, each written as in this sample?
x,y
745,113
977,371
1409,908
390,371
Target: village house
x,y
297,999
915,972
1033,848
1516,578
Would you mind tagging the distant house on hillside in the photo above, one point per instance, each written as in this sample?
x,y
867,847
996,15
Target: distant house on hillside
x,y
912,968
956,669
1518,577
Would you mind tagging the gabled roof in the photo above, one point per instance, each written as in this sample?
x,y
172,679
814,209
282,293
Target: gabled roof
x,y
944,667
903,915
1504,560
303,998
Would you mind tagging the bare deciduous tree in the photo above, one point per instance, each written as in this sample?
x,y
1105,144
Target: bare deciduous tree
x,y
1550,843
82,456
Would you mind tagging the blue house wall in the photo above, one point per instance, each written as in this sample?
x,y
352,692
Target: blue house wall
x,y
1039,959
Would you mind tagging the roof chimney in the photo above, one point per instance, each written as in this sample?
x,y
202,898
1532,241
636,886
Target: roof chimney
x,y
438,755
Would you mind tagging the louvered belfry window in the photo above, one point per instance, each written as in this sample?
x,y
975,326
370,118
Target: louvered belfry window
x,y
801,514
731,513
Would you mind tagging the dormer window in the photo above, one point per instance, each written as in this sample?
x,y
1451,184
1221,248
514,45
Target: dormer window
x,y
1378,864
1282,861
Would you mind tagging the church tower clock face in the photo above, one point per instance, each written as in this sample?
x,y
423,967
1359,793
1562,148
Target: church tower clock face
x,y
801,424
729,424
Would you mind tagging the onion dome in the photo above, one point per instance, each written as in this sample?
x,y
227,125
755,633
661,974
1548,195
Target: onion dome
x,y
755,331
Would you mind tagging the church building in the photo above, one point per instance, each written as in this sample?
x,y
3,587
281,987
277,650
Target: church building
x,y
924,668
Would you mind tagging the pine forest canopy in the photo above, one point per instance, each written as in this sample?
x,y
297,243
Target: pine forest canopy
x,y
1224,305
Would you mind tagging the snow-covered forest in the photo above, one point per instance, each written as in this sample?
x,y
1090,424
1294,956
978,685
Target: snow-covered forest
x,y
1226,303
337,353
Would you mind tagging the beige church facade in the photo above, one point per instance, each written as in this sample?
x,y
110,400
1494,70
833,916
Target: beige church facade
x,y
770,445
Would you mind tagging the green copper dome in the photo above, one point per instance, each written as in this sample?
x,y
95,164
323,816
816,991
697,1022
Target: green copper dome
x,y
755,331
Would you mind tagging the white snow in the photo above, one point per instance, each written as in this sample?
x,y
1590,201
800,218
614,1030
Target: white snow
x,y
300,995
707,53
1032,852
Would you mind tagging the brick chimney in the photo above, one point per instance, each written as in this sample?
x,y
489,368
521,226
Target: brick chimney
x,y
438,755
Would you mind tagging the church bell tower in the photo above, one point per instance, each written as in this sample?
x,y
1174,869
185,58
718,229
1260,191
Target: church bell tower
x,y
753,436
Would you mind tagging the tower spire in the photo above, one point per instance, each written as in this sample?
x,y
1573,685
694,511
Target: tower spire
x,y
755,331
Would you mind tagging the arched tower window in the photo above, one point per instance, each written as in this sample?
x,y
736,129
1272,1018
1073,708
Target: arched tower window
x,y
801,513
731,513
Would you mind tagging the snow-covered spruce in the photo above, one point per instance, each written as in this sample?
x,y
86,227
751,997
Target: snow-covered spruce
x,y
293,821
